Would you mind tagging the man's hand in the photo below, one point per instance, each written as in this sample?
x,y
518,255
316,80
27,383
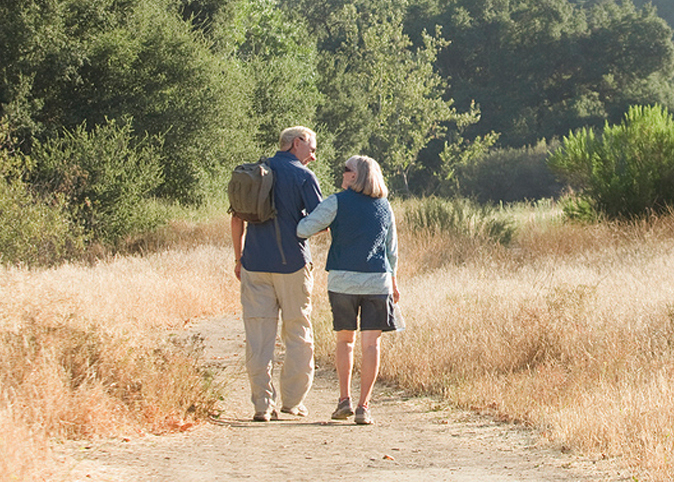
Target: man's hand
x,y
238,227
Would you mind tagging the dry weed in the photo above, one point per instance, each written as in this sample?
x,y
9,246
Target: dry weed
x,y
24,454
570,330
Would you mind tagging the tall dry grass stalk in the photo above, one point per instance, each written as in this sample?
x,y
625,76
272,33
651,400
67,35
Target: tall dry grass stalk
x,y
24,454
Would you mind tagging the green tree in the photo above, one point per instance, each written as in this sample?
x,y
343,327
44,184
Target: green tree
x,y
381,96
539,69
32,232
508,175
626,170
103,176
280,61
74,61
665,8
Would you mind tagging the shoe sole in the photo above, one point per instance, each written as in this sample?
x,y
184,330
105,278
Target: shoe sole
x,y
266,417
295,413
364,422
342,415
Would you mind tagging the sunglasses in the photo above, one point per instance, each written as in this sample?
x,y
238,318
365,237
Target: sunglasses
x,y
346,169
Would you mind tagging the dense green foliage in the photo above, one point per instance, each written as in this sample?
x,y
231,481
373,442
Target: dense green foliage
x,y
508,175
188,86
665,8
71,62
103,177
382,97
539,69
458,217
120,106
31,231
626,170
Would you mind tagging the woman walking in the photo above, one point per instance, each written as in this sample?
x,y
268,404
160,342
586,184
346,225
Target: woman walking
x,y
362,263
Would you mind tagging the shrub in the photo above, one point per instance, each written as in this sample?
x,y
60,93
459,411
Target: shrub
x,y
626,171
65,62
81,381
31,232
458,217
103,177
509,175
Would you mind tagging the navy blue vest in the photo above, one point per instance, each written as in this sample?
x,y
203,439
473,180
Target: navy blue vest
x,y
359,234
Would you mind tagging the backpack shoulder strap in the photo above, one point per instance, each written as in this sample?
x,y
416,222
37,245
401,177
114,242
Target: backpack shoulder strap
x,y
266,187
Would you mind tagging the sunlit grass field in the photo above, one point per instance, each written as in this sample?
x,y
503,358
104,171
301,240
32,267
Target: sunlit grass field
x,y
85,349
510,312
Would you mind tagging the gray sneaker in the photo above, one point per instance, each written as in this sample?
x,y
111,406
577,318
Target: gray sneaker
x,y
343,411
363,416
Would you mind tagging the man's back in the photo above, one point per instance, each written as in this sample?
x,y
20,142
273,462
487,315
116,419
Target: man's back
x,y
296,193
270,286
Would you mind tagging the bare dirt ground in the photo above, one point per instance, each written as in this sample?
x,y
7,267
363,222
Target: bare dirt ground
x,y
413,439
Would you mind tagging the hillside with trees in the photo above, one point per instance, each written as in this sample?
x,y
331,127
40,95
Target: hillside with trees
x,y
112,111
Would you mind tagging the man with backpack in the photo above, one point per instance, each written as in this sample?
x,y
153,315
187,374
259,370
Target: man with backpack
x,y
274,268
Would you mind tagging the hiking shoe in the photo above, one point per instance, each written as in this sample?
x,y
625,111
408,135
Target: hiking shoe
x,y
363,416
265,416
298,411
343,411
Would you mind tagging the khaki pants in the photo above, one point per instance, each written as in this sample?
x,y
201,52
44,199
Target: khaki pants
x,y
262,296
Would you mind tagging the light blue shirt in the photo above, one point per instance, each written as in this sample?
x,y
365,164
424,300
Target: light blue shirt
x,y
351,282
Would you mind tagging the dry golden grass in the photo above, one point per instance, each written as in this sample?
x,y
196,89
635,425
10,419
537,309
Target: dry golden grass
x,y
24,455
86,349
570,330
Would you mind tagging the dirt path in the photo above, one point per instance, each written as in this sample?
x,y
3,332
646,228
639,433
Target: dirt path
x,y
412,440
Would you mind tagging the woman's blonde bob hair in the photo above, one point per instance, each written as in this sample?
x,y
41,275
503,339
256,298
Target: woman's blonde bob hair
x,y
369,179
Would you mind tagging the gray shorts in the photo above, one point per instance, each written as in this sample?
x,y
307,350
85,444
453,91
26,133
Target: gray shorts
x,y
376,312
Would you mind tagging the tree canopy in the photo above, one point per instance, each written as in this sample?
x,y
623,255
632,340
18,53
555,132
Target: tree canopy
x,y
183,90
539,69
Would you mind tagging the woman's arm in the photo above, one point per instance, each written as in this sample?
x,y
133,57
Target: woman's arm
x,y
392,245
392,255
319,219
396,291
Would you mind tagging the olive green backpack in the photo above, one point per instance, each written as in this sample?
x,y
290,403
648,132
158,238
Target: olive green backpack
x,y
251,195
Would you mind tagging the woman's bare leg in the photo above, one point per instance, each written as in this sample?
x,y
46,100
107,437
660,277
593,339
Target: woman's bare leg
x,y
370,365
344,361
